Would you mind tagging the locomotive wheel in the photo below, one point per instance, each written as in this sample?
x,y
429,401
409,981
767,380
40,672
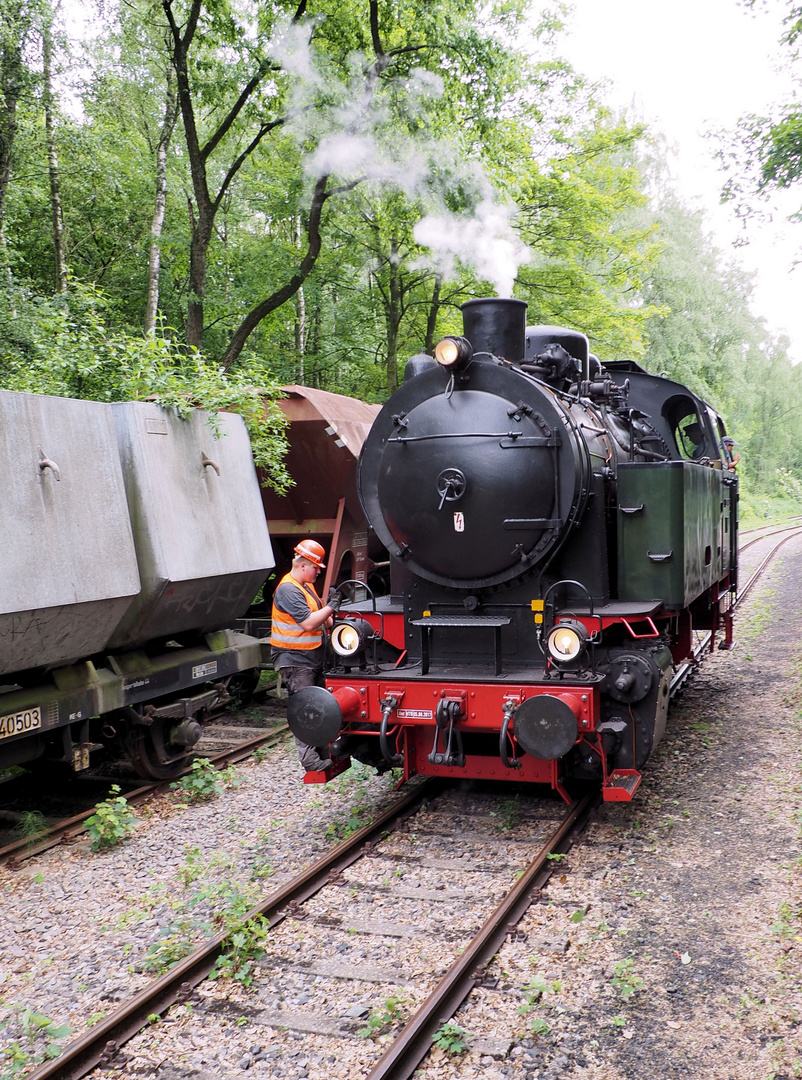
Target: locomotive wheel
x,y
152,753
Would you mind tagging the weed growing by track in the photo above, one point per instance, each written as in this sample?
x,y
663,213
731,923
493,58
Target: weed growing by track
x,y
351,788
205,782
245,946
538,993
451,1038
509,814
38,1039
210,905
382,1019
30,827
111,822
624,978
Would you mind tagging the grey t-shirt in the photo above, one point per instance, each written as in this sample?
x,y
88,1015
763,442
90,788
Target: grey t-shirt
x,y
289,599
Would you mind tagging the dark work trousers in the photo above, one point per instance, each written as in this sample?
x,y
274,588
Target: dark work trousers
x,y
295,679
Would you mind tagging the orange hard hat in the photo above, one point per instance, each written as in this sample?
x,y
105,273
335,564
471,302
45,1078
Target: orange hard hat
x,y
312,551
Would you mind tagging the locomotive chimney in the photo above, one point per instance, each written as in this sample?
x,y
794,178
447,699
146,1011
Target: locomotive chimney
x,y
496,326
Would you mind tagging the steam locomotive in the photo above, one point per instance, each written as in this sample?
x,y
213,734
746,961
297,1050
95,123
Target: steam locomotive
x,y
130,541
558,530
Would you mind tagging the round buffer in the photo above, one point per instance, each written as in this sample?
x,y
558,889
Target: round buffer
x,y
314,716
545,727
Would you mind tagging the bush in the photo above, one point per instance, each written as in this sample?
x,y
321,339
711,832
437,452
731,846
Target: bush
x,y
111,822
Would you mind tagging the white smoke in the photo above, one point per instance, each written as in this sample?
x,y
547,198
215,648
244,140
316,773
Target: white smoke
x,y
486,241
356,138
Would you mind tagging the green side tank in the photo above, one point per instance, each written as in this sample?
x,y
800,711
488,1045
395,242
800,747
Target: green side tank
x,y
674,530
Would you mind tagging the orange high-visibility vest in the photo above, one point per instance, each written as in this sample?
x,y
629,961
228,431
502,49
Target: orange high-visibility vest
x,y
286,633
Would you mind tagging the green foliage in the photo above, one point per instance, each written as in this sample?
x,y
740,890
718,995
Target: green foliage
x,y
509,812
385,1017
706,337
35,1039
464,112
111,822
213,903
624,978
245,945
67,346
536,997
788,921
348,819
580,212
451,1038
30,826
200,784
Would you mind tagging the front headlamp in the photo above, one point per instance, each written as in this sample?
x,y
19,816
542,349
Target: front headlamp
x,y
567,641
453,352
351,637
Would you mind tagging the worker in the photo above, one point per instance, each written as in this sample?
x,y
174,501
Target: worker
x,y
732,457
298,634
695,433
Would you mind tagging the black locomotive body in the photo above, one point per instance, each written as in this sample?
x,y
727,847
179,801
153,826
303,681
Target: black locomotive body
x,y
558,530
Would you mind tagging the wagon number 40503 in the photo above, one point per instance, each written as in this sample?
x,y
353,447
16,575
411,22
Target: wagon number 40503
x,y
17,723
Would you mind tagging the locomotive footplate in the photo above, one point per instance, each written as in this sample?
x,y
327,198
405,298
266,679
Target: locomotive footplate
x,y
621,785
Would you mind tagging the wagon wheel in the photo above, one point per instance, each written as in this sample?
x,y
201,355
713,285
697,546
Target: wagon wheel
x,y
154,753
243,684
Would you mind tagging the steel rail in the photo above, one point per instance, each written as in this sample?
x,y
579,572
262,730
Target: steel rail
x,y
104,1039
67,829
684,670
756,575
773,528
414,1041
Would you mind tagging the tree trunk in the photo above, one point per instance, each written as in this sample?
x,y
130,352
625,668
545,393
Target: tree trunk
x,y
431,319
12,74
393,317
198,258
182,37
156,225
52,156
286,292
300,314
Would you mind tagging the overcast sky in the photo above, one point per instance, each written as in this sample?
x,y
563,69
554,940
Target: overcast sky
x,y
686,67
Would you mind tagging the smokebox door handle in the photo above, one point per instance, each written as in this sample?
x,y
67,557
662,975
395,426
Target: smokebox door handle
x,y
46,463
208,463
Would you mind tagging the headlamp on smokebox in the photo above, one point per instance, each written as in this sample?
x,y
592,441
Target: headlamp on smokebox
x,y
566,643
453,353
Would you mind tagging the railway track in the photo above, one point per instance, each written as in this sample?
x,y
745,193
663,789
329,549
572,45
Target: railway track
x,y
703,644
377,851
70,828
